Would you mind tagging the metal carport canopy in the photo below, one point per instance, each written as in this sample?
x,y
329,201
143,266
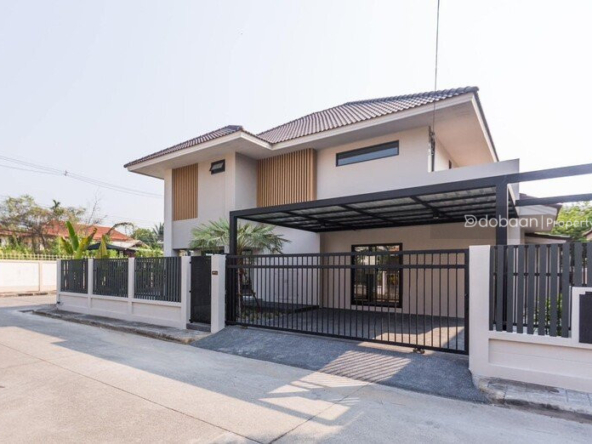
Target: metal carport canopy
x,y
428,204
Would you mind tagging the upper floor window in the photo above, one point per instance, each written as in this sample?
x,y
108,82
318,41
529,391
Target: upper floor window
x,y
369,153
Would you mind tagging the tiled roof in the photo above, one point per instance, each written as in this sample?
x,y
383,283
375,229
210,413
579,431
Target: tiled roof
x,y
354,112
220,132
59,229
336,117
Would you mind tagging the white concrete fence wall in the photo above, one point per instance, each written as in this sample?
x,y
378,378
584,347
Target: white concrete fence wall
x,y
553,361
27,276
164,313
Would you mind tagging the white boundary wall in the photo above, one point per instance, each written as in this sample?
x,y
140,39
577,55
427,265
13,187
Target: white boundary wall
x,y
553,361
27,275
168,314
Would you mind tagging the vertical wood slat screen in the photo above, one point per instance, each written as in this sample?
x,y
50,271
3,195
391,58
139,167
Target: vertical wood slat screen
x,y
285,179
185,192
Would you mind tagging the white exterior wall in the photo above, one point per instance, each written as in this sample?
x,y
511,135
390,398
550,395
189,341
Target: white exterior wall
x,y
236,188
409,169
23,276
376,175
217,195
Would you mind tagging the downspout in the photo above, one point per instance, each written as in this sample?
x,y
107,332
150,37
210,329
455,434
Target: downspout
x,y
432,149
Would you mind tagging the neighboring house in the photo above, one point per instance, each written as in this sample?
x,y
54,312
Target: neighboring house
x,y
588,236
116,237
7,237
359,147
545,238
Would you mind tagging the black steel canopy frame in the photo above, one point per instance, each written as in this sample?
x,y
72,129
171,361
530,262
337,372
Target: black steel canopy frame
x,y
422,205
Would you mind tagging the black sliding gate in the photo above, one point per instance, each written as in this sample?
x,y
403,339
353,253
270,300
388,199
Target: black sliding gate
x,y
201,289
410,298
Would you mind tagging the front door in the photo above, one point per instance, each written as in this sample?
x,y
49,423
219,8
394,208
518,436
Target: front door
x,y
201,289
377,286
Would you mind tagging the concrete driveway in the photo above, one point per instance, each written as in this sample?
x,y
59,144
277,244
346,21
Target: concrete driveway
x,y
63,382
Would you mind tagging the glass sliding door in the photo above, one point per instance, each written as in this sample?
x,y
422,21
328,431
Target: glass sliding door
x,y
376,284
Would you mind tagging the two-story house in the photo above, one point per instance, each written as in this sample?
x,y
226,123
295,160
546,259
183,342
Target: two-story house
x,y
359,147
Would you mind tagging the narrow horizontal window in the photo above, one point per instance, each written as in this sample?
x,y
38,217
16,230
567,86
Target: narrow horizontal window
x,y
369,153
218,167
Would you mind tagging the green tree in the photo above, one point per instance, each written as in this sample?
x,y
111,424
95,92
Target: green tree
x,y
574,220
146,235
23,215
250,237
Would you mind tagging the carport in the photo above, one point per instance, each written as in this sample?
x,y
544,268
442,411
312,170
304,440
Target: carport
x,y
315,293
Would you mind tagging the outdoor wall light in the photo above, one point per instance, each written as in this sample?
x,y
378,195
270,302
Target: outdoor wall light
x,y
218,166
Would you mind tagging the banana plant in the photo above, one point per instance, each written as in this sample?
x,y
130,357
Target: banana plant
x,y
103,251
76,245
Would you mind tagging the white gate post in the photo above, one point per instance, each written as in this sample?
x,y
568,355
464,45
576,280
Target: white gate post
x,y
479,279
131,283
58,281
185,289
218,290
89,280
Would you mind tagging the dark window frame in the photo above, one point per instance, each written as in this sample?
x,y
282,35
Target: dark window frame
x,y
395,305
214,166
367,150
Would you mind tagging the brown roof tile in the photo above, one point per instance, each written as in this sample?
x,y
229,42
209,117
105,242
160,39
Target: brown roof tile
x,y
220,132
354,112
336,117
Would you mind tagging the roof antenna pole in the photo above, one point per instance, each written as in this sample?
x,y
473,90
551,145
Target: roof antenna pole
x,y
433,127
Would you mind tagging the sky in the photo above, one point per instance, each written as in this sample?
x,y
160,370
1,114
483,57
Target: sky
x,y
86,86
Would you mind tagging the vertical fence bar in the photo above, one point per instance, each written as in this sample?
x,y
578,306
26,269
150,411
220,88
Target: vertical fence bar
x,y
542,315
553,289
588,280
510,289
565,289
578,264
530,308
520,290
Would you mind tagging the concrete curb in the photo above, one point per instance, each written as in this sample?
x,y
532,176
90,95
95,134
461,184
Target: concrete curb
x,y
150,331
503,393
26,293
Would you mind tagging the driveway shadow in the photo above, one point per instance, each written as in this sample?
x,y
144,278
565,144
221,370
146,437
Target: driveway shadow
x,y
434,373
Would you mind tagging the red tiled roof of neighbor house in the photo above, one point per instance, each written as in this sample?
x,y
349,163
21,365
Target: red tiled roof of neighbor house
x,y
347,114
61,230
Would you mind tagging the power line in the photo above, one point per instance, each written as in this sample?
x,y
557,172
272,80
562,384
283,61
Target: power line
x,y
42,169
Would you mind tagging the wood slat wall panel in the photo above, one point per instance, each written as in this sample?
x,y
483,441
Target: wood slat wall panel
x,y
185,192
289,178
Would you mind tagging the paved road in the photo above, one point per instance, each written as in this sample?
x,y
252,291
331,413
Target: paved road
x,y
62,382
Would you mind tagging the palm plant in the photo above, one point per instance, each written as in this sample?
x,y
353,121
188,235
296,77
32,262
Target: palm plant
x,y
75,245
158,231
250,237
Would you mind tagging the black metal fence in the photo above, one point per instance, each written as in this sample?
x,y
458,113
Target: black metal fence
x,y
110,277
531,286
73,275
414,298
158,279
